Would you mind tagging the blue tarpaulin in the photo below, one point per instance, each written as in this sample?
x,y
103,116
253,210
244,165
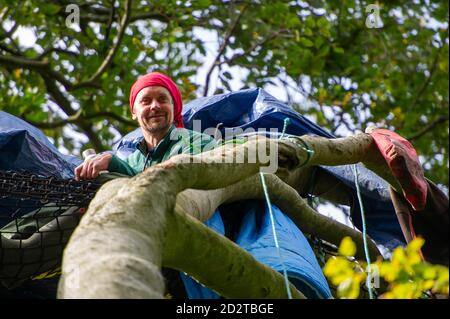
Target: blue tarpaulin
x,y
24,147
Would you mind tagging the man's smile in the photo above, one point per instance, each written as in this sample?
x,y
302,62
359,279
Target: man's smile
x,y
155,116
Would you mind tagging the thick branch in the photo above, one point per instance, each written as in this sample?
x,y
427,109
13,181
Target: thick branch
x,y
233,273
344,151
43,67
202,204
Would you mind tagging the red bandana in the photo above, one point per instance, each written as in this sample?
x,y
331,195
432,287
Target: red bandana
x,y
159,79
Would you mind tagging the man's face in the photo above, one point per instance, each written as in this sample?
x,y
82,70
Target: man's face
x,y
153,109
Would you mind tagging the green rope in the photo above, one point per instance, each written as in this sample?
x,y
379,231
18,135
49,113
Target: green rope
x,y
272,220
286,122
275,237
364,231
305,147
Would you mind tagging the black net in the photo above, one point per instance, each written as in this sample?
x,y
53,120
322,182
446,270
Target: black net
x,y
37,216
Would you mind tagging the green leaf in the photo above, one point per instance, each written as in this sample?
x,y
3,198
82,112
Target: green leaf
x,y
338,50
306,42
308,32
309,22
322,23
324,51
203,3
50,9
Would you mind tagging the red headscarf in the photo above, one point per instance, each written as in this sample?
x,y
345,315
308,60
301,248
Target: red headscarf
x,y
159,79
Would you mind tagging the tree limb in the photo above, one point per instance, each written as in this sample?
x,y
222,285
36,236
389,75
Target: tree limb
x,y
261,43
112,52
430,76
65,105
222,48
428,127
5,48
202,204
59,50
43,67
137,17
75,119
110,21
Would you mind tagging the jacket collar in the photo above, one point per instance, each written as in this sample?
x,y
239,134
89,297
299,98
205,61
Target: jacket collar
x,y
162,146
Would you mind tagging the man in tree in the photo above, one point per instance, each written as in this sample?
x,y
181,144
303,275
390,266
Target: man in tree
x,y
156,104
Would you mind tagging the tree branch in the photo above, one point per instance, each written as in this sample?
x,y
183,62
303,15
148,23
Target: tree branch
x,y
43,67
428,80
64,104
140,16
59,50
5,48
152,16
261,43
429,127
76,118
222,49
110,21
112,52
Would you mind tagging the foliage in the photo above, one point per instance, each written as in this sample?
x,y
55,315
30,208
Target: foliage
x,y
395,76
407,276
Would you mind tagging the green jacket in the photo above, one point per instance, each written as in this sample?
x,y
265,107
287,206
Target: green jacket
x,y
177,141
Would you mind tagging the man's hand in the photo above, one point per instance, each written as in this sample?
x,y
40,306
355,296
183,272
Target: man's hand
x,y
91,167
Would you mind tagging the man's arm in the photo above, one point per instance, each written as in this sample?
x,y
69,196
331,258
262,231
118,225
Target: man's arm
x,y
92,166
121,166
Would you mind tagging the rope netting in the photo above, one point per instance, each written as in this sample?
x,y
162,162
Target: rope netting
x,y
37,216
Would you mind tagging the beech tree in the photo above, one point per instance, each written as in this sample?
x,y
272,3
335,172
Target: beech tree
x,y
352,63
